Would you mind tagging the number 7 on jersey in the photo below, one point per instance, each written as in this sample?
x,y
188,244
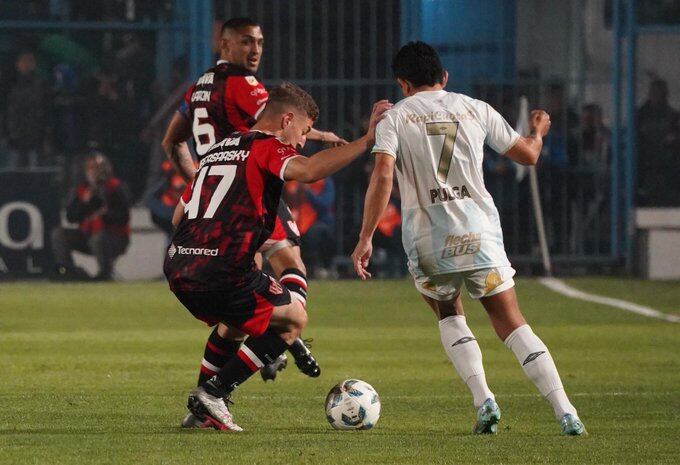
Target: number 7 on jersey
x,y
450,130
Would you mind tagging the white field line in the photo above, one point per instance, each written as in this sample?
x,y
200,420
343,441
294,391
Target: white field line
x,y
559,286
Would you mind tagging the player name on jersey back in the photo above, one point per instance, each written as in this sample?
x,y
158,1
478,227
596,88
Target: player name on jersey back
x,y
446,194
225,155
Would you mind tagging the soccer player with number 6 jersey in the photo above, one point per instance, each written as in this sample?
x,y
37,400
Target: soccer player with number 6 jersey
x,y
451,228
226,98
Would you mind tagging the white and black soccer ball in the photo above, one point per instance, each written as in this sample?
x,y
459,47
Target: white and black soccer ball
x,y
352,404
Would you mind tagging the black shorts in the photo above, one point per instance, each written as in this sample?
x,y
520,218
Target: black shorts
x,y
247,308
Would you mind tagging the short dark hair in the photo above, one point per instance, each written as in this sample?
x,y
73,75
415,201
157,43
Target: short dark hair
x,y
418,63
289,95
238,23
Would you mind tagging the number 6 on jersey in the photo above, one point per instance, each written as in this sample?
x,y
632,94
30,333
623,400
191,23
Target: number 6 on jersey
x,y
450,130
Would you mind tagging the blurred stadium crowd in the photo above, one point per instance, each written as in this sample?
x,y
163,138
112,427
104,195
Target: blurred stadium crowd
x,y
67,95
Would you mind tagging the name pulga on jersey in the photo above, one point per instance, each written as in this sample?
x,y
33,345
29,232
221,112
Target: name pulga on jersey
x,y
226,155
448,193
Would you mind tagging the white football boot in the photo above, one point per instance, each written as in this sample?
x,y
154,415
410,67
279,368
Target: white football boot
x,y
211,409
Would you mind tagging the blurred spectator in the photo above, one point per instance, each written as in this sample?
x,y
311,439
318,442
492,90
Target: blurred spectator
x,y
658,149
559,150
164,197
313,208
595,138
26,122
100,206
589,208
64,94
560,144
389,259
166,104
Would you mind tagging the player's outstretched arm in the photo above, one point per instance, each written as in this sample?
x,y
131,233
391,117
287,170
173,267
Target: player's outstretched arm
x,y
377,197
329,161
527,149
175,146
327,137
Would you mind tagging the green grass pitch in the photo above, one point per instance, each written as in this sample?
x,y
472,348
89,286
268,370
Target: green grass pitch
x,y
99,374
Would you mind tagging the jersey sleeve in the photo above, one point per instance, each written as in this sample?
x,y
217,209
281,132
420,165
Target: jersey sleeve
x,y
276,156
386,138
186,195
185,107
247,93
500,136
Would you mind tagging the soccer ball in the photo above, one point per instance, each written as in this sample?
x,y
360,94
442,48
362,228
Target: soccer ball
x,y
352,404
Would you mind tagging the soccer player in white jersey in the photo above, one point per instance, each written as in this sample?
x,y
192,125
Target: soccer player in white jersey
x,y
451,229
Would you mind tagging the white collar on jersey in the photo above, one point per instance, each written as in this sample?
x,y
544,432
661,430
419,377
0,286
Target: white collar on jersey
x,y
219,62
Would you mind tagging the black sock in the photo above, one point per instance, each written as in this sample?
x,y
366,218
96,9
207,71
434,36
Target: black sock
x,y
218,351
253,355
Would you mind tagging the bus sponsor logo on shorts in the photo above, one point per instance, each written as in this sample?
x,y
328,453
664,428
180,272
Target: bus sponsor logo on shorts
x,y
464,244
179,250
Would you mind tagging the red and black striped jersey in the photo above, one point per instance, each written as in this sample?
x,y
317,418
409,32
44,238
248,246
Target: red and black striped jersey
x,y
226,98
229,211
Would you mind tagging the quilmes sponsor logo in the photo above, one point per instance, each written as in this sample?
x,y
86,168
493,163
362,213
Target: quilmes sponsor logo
x,y
463,244
438,116
179,250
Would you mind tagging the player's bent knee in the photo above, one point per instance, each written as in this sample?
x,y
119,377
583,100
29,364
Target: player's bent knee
x,y
302,318
291,318
298,317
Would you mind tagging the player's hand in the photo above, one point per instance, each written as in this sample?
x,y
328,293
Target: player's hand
x,y
379,109
540,122
360,257
329,137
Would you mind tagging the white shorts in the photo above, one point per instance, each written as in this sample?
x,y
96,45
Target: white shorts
x,y
480,283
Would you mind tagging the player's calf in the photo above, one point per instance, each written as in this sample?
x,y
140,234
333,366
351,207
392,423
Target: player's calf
x,y
539,366
295,281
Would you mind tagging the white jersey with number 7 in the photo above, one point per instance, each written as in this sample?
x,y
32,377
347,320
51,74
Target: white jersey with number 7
x,y
450,223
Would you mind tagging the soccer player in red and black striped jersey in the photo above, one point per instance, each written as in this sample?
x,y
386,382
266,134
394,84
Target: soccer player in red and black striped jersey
x,y
227,98
228,214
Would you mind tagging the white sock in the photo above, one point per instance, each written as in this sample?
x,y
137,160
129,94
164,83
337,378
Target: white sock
x,y
539,366
462,349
